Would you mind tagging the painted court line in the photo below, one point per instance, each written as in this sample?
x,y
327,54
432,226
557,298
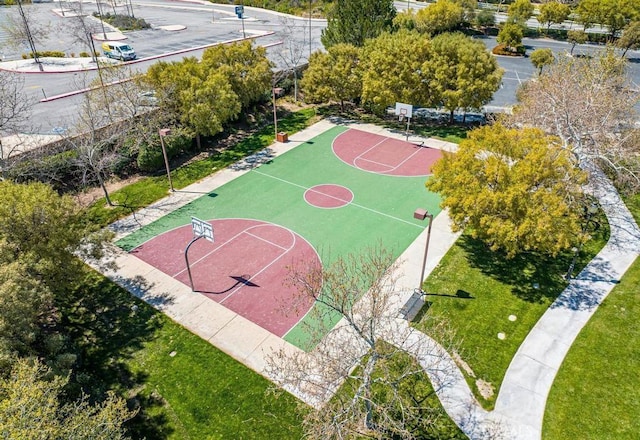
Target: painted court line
x,y
244,231
330,196
365,151
391,168
266,241
408,158
352,204
274,261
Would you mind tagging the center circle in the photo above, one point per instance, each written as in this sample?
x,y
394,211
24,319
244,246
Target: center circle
x,y
328,196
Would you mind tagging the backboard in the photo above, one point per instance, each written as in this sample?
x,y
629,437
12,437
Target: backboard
x,y
202,229
404,110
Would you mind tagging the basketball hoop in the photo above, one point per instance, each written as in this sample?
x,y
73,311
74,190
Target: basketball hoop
x,y
201,229
401,118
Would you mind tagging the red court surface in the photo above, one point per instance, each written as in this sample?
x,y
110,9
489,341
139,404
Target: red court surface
x,y
328,196
243,269
383,155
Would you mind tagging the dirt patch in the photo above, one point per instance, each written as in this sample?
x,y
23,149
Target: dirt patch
x,y
90,195
462,364
485,388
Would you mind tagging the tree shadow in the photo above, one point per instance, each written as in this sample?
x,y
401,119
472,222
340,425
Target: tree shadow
x,y
534,277
107,326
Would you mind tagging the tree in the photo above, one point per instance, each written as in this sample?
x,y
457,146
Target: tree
x,y
23,304
246,68
542,57
40,234
82,29
199,95
31,408
589,104
485,19
24,30
442,16
293,49
355,21
396,69
614,14
517,190
519,12
553,12
405,20
469,7
630,38
511,36
42,230
333,75
100,130
381,392
465,74
15,111
576,37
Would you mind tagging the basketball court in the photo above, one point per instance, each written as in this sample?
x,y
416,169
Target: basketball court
x,y
333,195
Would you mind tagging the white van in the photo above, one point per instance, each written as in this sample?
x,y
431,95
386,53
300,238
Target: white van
x,y
121,51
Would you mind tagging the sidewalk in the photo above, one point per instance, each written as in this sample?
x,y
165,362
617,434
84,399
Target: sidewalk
x,y
236,336
521,402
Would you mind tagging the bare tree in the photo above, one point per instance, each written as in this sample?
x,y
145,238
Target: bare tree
x,y
293,49
15,110
106,113
361,384
82,29
589,104
23,28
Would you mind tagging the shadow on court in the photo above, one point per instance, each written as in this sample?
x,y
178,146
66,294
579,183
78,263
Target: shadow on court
x,y
239,280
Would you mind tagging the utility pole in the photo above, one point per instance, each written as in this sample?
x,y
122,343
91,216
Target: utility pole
x,y
104,34
27,31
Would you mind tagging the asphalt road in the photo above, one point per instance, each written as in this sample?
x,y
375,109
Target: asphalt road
x,y
208,24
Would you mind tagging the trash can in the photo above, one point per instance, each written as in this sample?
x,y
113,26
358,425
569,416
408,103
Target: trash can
x,y
282,137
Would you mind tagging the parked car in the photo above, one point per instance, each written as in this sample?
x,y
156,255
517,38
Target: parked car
x,y
121,51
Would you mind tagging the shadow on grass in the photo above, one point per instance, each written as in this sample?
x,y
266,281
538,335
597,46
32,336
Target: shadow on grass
x,y
535,277
108,326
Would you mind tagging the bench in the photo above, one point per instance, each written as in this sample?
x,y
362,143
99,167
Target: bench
x,y
413,306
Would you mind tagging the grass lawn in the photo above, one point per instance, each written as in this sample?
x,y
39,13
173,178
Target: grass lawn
x,y
595,394
476,291
183,386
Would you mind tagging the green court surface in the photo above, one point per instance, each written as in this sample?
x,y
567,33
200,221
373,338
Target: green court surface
x,y
381,211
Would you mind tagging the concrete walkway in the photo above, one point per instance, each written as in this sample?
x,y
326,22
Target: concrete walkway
x,y
233,334
522,398
520,405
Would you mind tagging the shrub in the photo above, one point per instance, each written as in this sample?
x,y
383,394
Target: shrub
x,y
46,53
150,154
59,170
502,49
124,22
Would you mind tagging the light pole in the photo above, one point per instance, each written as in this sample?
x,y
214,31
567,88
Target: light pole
x,y
104,33
421,214
164,132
